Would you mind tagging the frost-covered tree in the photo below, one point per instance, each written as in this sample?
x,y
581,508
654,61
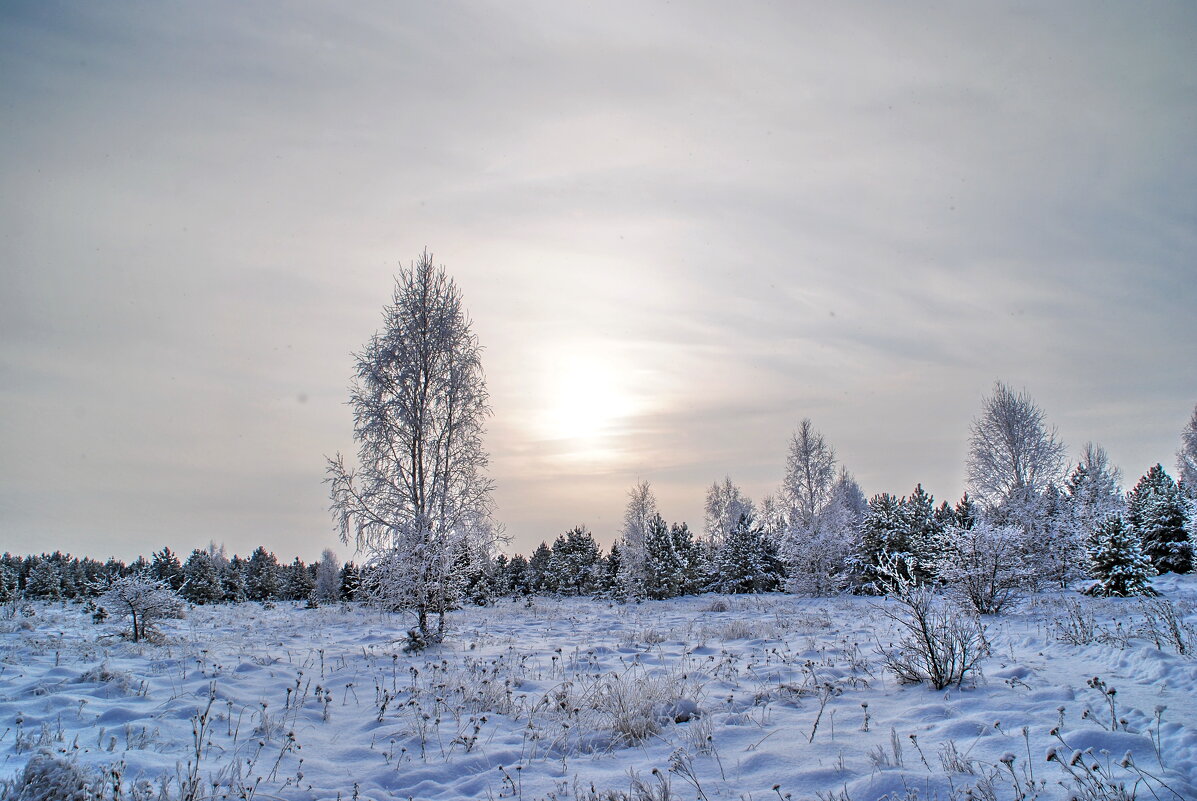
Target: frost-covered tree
x,y
165,566
201,580
884,538
520,576
296,581
987,567
1118,562
419,406
144,599
574,562
818,559
328,577
262,576
1156,512
44,580
351,580
747,560
1093,494
923,533
232,580
671,560
637,520
1186,457
1012,454
540,570
725,505
810,475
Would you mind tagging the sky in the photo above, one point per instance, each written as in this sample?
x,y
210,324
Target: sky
x,y
679,229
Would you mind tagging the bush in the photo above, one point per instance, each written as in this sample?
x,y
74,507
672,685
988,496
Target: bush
x,y
938,643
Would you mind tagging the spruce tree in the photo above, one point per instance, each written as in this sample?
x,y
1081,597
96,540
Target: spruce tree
x,y
201,584
1118,562
574,560
261,576
1156,511
747,561
664,569
540,573
167,567
883,533
232,580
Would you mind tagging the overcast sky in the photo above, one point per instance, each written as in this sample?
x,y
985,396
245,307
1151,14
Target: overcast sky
x,y
679,229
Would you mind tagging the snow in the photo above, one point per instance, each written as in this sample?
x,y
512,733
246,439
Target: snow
x,y
551,698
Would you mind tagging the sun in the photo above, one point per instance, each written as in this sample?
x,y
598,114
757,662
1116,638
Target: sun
x,y
586,403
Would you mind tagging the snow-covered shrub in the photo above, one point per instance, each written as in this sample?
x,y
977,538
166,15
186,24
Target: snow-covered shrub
x,y
143,599
48,777
938,643
987,567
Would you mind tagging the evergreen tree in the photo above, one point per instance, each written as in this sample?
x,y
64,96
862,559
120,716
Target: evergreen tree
x,y
1050,534
296,582
502,578
540,573
966,512
574,561
922,533
884,533
1156,512
201,583
522,580
232,580
166,567
748,560
9,583
44,580
351,579
665,569
1118,562
261,576
610,572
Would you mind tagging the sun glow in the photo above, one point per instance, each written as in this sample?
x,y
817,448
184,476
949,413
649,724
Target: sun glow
x,y
586,404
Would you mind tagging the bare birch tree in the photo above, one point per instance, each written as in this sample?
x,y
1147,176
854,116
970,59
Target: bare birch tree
x,y
419,403
1012,454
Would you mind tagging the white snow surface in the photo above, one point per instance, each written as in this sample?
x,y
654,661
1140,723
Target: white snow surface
x,y
570,698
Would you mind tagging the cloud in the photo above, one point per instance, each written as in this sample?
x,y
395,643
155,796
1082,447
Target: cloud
x,y
739,217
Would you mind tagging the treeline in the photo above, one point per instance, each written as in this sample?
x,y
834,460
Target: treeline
x,y
207,576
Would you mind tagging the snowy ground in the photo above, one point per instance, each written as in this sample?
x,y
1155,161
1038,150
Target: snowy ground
x,y
775,697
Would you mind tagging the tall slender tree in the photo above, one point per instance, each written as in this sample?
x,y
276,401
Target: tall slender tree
x,y
419,405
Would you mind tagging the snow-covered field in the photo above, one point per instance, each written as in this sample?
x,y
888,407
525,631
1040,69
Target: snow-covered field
x,y
752,697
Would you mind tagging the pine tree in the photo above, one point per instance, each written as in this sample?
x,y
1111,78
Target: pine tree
x,y
540,573
1156,511
966,512
1118,562
502,578
747,561
922,532
663,566
522,580
574,560
167,567
296,582
232,580
884,533
201,583
351,579
261,576
610,574
44,580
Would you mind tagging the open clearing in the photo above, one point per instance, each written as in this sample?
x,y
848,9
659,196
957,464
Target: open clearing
x,y
713,696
